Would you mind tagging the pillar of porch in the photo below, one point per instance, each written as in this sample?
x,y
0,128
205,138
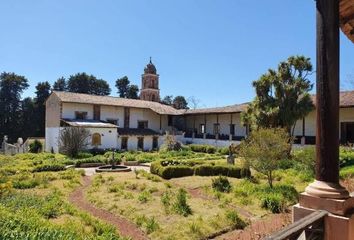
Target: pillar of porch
x,y
327,184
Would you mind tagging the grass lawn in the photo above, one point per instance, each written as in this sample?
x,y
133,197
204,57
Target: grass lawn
x,y
33,205
148,201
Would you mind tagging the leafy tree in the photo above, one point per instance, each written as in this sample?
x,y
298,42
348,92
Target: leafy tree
x,y
42,93
133,92
84,83
60,84
167,100
11,88
282,95
127,90
179,102
265,149
122,84
28,116
72,140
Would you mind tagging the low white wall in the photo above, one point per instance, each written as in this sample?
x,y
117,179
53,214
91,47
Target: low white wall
x,y
213,142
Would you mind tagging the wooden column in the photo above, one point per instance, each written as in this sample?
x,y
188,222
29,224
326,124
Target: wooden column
x,y
327,103
205,121
160,124
193,134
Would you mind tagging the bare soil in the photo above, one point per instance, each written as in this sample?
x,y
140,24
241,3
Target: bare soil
x,y
125,227
260,228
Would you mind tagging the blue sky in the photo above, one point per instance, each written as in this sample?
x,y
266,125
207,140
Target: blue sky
x,y
208,49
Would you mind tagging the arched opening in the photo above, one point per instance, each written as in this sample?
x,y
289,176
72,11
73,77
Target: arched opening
x,y
153,98
96,139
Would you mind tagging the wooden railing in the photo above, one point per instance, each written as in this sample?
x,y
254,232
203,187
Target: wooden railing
x,y
310,227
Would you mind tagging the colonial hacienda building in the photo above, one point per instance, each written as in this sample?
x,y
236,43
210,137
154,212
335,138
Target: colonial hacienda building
x,y
133,124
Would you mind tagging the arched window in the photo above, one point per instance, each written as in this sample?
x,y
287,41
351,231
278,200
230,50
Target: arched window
x,y
96,139
153,98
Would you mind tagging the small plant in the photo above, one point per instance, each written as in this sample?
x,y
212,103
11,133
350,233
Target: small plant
x,y
151,225
221,184
144,196
235,220
35,147
273,202
180,206
166,200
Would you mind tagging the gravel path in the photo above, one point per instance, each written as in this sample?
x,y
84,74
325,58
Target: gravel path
x,y
125,227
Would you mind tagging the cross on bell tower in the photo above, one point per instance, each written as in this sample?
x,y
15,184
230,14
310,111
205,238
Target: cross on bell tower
x,y
150,84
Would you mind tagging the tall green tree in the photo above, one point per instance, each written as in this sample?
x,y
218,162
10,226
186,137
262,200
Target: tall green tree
x,y
60,84
282,95
42,93
11,88
28,118
180,102
84,83
133,92
122,84
125,89
167,100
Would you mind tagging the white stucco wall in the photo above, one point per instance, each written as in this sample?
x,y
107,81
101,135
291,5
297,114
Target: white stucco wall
x,y
224,121
140,114
109,137
113,112
69,109
52,139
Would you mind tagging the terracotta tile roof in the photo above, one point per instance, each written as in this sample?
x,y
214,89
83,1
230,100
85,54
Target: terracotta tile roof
x,y
346,99
137,132
227,109
116,101
87,123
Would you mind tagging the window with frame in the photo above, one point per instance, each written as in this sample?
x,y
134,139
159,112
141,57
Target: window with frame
x,y
216,128
124,143
96,139
202,128
113,121
80,115
142,124
140,143
232,129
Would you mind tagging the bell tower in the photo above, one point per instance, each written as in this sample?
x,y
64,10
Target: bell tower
x,y
150,84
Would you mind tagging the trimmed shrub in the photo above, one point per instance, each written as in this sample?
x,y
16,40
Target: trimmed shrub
x,y
224,151
176,171
55,167
230,171
202,148
221,184
82,155
346,156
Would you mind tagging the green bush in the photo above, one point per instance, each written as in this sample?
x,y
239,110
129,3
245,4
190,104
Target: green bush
x,y
273,202
224,170
235,220
168,169
35,146
221,184
202,148
55,167
181,206
95,159
224,151
82,155
346,156
306,157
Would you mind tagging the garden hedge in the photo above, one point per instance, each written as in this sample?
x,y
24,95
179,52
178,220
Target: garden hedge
x,y
190,168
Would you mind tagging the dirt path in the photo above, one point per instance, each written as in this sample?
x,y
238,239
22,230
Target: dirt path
x,y
125,227
259,229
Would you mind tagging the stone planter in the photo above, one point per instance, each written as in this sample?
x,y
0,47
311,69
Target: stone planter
x,y
131,163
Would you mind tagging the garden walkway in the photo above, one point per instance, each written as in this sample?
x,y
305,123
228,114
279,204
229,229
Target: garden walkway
x,y
125,227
